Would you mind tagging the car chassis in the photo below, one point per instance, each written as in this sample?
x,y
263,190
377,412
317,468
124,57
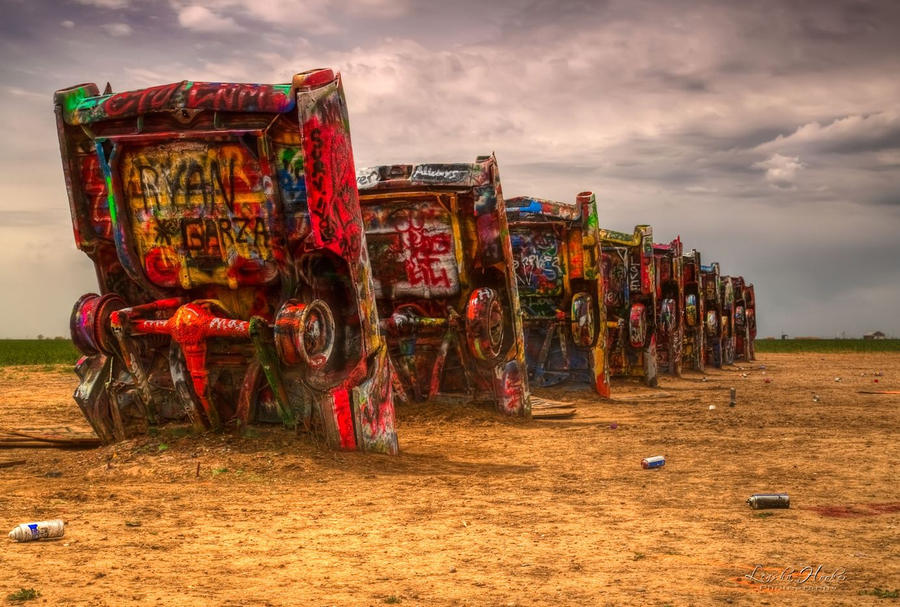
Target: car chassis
x,y
558,270
224,225
439,243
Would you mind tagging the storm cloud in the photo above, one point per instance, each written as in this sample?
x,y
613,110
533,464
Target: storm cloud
x,y
766,134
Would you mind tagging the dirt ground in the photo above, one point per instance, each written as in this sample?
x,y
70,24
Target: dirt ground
x,y
482,510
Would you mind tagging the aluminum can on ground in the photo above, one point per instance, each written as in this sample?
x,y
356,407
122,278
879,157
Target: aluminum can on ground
x,y
769,500
657,461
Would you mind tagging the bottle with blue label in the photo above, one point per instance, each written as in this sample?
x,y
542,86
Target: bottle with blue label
x,y
42,530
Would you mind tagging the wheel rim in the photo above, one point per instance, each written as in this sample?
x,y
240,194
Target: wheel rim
x,y
315,341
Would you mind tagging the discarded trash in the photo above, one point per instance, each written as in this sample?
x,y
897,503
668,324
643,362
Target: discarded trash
x,y
759,501
645,396
816,398
875,381
744,374
767,380
837,379
42,530
613,426
554,413
705,379
878,374
711,407
762,367
542,408
732,402
657,461
61,437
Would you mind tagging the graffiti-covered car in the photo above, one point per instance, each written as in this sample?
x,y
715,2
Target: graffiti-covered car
x,y
556,251
744,320
693,344
441,260
234,287
710,282
750,315
669,306
726,296
630,300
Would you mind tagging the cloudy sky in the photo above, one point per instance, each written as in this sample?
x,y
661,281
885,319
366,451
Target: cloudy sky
x,y
766,134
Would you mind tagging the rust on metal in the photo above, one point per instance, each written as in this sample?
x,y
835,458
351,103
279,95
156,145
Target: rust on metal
x,y
556,250
744,320
629,276
438,241
693,305
713,309
224,223
670,306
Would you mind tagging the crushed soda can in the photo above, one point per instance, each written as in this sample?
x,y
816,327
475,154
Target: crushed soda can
x,y
760,501
657,461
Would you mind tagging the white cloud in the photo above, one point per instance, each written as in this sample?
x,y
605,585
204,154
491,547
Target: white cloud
x,y
18,92
699,189
67,24
379,8
849,133
202,19
117,30
311,16
219,15
781,171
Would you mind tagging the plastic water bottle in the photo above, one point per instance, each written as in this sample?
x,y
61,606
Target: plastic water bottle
x,y
42,530
657,461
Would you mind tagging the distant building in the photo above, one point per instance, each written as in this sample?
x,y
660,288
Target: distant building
x,y
875,335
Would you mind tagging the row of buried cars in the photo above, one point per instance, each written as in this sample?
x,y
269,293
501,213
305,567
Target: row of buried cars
x,y
249,274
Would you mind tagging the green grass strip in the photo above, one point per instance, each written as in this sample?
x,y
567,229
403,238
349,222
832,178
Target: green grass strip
x,y
827,345
37,352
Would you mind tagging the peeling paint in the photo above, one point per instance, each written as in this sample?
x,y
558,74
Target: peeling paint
x,y
224,223
438,241
556,251
629,274
670,307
